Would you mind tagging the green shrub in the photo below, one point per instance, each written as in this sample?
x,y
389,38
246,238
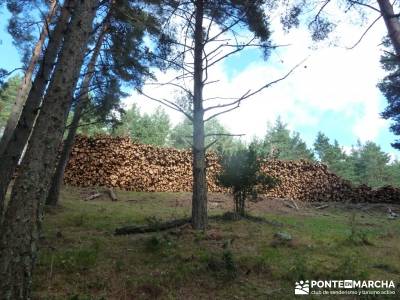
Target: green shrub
x,y
158,243
241,172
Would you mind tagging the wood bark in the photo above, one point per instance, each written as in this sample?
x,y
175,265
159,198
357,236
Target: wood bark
x,y
12,153
20,228
54,193
199,198
392,23
26,82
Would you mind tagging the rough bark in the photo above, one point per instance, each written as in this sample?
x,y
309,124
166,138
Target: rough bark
x,y
57,180
26,82
392,23
199,200
15,147
20,228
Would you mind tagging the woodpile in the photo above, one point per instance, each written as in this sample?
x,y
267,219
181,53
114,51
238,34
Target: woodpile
x,y
388,194
305,181
118,162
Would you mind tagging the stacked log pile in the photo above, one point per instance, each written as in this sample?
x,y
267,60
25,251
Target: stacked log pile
x,y
305,181
117,162
388,194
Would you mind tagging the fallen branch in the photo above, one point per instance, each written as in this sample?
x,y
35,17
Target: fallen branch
x,y
112,195
294,203
152,228
134,229
94,196
322,206
109,192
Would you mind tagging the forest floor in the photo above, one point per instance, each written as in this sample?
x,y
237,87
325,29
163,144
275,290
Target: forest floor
x,y
81,258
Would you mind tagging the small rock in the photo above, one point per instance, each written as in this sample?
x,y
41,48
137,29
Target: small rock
x,y
283,236
391,214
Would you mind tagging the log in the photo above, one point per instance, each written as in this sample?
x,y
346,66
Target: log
x,y
294,203
93,196
112,195
152,228
322,206
134,229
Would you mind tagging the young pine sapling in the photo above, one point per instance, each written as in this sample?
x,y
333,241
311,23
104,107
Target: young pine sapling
x,y
242,174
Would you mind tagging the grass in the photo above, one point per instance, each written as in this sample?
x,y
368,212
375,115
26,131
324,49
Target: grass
x,y
80,258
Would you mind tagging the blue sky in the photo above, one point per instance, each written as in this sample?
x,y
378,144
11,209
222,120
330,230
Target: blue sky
x,y
9,58
316,98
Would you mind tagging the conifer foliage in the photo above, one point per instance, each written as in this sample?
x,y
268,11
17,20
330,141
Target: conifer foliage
x,y
241,172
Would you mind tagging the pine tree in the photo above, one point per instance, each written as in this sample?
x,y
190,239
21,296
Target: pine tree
x,y
281,143
394,173
390,87
19,34
241,172
123,59
12,153
331,154
152,129
20,227
371,165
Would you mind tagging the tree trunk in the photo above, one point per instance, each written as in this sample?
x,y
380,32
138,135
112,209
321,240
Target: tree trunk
x,y
56,183
199,198
26,82
12,153
392,23
20,228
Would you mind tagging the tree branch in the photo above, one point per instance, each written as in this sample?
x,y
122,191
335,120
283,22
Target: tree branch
x,y
217,139
172,84
223,134
320,11
238,49
249,94
9,73
167,103
364,4
365,32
